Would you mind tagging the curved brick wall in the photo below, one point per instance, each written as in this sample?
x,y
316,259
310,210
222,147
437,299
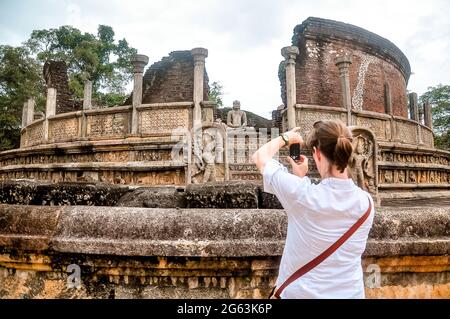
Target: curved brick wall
x,y
376,61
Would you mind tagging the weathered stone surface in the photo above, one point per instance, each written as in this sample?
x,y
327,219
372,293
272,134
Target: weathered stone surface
x,y
268,201
413,222
27,227
233,194
56,194
210,253
218,232
154,197
170,232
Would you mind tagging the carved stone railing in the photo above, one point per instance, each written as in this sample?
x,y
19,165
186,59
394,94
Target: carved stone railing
x,y
386,128
113,123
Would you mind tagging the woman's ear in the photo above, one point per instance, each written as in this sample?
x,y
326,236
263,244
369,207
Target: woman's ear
x,y
316,151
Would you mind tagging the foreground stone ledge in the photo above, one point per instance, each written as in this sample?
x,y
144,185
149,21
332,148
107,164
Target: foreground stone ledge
x,y
127,231
125,252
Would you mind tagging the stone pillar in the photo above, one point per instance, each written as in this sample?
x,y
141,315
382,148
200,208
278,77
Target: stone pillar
x,y
421,116
290,54
25,114
343,63
413,107
50,109
139,61
387,99
427,115
199,55
30,110
87,101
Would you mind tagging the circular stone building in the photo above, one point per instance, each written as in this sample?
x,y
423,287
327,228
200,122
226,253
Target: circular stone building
x,y
335,70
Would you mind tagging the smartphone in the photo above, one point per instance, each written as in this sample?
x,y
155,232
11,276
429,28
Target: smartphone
x,y
294,152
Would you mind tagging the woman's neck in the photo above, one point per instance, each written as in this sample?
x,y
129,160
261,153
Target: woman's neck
x,y
335,173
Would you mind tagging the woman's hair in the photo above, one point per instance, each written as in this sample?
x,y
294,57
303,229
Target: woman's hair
x,y
334,140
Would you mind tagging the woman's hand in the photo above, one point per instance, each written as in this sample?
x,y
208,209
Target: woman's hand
x,y
295,137
299,168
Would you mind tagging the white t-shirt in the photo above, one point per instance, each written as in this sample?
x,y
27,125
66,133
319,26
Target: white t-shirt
x,y
318,215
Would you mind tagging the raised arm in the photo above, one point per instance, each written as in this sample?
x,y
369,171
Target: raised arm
x,y
266,152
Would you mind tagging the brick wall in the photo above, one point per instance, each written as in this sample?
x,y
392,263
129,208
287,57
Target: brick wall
x,y
171,80
376,61
55,75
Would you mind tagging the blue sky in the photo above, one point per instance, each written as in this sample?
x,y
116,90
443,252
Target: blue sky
x,y
244,37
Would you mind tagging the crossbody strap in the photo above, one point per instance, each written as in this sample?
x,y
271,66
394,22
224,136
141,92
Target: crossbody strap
x,y
316,261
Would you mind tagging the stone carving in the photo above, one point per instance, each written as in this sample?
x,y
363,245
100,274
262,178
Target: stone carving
x,y
163,120
378,127
412,177
107,124
65,129
401,177
363,161
406,132
209,155
236,118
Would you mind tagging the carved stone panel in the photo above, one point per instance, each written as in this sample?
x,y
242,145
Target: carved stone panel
x,y
306,118
163,120
363,163
100,125
406,132
380,128
63,129
427,137
35,134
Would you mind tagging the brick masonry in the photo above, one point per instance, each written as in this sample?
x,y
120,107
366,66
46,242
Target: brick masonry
x,y
171,80
376,61
55,75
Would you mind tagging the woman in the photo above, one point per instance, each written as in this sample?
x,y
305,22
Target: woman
x,y
319,215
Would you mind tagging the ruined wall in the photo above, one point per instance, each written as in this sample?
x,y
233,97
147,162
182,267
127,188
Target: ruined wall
x,y
376,61
171,80
55,75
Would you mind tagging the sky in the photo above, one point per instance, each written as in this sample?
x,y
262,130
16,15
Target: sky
x,y
244,37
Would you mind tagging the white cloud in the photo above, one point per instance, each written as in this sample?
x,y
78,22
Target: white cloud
x,y
244,37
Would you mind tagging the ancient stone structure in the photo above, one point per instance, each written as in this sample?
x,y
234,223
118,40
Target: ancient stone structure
x,y
347,73
193,220
55,75
200,253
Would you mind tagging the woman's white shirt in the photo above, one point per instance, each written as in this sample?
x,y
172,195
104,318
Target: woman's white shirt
x,y
318,215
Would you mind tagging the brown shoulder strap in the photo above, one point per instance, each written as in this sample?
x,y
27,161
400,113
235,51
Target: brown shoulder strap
x,y
316,261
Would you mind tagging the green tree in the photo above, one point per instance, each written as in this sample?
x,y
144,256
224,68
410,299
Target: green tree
x,y
20,79
439,98
98,58
216,93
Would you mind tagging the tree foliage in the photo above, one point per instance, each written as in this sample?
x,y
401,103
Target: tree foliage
x,y
20,79
94,57
216,93
439,98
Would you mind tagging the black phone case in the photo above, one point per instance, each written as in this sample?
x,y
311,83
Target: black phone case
x,y
294,152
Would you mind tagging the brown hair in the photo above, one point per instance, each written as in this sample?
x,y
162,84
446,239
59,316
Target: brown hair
x,y
334,140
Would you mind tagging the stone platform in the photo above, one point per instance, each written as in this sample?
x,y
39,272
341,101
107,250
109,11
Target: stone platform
x,y
128,252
